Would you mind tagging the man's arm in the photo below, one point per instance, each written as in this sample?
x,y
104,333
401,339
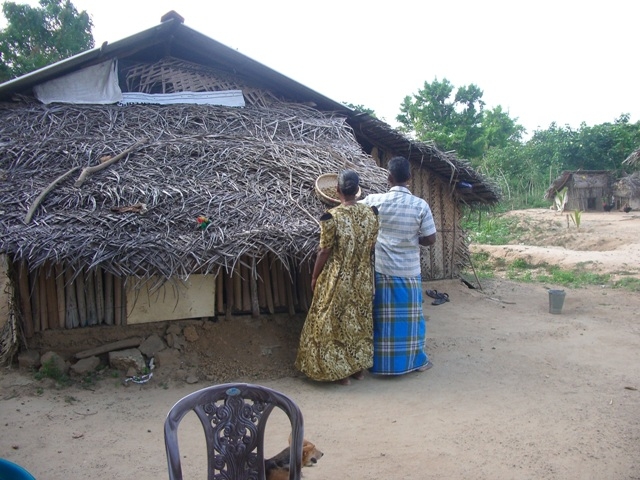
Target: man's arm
x,y
428,240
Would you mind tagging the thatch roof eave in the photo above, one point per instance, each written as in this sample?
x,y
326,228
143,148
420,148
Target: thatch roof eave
x,y
446,165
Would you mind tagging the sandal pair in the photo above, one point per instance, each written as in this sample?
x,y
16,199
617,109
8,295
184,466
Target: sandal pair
x,y
444,298
440,298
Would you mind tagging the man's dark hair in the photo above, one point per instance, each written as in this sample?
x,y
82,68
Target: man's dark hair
x,y
348,181
400,169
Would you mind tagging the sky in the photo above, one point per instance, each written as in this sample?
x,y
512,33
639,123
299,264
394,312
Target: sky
x,y
543,61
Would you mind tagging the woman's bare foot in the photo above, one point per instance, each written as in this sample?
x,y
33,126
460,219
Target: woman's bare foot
x,y
343,381
358,375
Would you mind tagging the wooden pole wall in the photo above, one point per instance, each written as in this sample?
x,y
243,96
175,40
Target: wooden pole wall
x,y
25,301
60,295
51,297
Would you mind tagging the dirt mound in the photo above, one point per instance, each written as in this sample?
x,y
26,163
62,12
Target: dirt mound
x,y
216,351
606,242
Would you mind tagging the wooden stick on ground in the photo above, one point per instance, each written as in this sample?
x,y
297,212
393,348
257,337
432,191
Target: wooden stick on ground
x,y
96,168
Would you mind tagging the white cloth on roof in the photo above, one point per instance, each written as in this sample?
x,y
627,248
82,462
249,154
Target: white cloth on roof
x,y
96,84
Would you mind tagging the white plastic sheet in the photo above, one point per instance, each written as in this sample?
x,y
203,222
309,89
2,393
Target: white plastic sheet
x,y
97,84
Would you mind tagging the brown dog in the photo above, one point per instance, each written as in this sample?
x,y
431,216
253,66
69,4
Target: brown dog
x,y
277,467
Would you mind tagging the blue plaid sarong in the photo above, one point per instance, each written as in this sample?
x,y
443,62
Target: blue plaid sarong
x,y
399,327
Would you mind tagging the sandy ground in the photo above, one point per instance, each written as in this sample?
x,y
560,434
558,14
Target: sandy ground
x,y
516,392
604,243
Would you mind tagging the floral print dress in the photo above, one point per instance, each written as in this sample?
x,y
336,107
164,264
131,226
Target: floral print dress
x,y
337,337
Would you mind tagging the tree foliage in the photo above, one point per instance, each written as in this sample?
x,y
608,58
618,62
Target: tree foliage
x,y
526,169
456,119
38,36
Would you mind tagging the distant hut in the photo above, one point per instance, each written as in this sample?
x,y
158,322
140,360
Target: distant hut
x,y
633,159
626,192
586,190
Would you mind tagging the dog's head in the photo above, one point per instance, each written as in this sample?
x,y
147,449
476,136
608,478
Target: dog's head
x,y
310,454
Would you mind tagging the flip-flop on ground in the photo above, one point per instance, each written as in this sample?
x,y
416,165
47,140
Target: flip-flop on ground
x,y
440,298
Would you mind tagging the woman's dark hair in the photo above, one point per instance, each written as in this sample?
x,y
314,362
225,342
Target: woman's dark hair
x,y
348,182
400,169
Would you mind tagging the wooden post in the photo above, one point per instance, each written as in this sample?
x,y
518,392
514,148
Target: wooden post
x,y
52,297
275,281
293,281
245,278
282,288
109,303
90,295
42,298
72,318
60,295
99,289
253,283
228,285
25,301
82,302
35,300
268,289
237,289
289,292
117,301
262,299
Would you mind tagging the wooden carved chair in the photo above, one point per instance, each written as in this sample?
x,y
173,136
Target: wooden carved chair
x,y
234,417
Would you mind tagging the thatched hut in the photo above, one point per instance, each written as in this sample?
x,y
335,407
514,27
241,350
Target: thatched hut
x,y
626,191
586,190
633,159
168,176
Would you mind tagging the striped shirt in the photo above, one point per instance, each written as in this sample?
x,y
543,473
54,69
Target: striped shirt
x,y
404,218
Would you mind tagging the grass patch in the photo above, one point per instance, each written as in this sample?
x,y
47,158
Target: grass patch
x,y
520,264
574,278
631,284
521,270
493,229
50,370
484,267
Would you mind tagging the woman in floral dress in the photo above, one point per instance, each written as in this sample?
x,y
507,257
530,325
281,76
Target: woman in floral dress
x,y
337,338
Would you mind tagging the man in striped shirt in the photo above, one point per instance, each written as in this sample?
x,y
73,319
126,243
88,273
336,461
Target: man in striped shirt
x,y
399,327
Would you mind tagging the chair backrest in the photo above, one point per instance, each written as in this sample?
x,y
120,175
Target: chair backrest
x,y
234,417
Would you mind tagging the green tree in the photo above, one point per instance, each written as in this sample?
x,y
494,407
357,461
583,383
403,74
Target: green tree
x,y
39,36
455,119
430,114
605,146
499,129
